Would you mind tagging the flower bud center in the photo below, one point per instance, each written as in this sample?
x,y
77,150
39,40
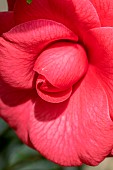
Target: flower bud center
x,y
62,65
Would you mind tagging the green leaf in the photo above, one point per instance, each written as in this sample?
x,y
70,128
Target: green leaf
x,y
3,127
29,1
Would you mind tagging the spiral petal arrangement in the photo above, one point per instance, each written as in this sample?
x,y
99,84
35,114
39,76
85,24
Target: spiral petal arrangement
x,y
56,77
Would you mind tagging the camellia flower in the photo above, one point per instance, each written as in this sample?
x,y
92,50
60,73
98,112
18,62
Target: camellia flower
x,y
56,84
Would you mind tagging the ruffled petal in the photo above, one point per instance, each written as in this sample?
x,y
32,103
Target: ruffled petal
x,y
76,131
104,9
15,108
99,42
11,4
76,15
20,47
6,21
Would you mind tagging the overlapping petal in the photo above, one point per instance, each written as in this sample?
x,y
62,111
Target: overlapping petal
x,y
24,43
50,93
104,9
76,15
76,131
99,42
63,64
6,21
72,123
15,107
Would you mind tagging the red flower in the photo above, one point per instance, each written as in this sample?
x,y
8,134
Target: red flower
x,y
56,82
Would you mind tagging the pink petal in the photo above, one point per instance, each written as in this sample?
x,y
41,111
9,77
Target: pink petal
x,y
6,21
76,131
63,64
20,47
100,48
101,40
15,107
104,9
11,4
76,15
45,92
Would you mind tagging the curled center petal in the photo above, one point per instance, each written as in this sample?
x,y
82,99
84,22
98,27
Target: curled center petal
x,y
62,65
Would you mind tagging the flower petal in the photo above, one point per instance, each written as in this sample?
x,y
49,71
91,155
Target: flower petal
x,y
6,21
44,91
20,47
63,64
76,131
15,107
100,48
76,15
104,9
11,4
